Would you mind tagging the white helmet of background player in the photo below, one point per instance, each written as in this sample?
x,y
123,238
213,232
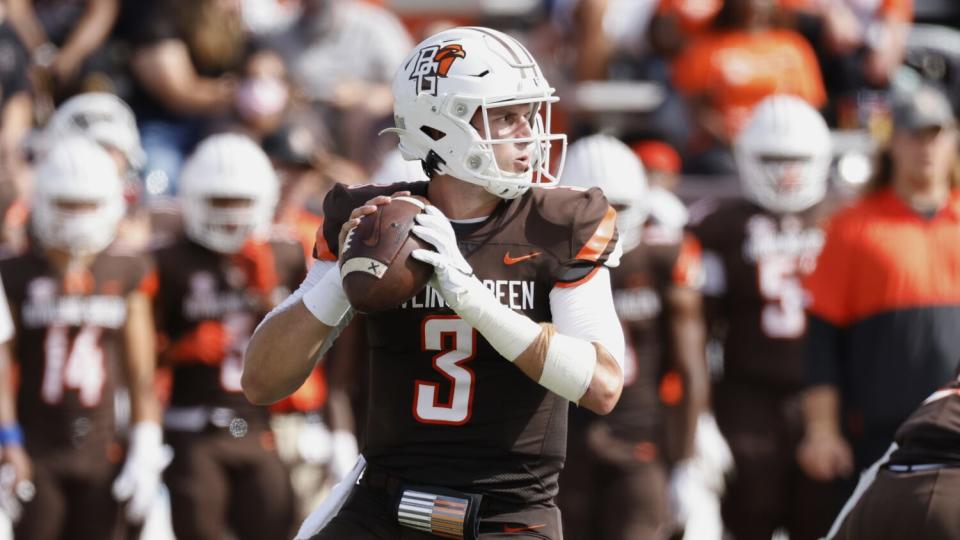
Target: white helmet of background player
x,y
227,166
78,197
783,155
604,161
451,76
104,118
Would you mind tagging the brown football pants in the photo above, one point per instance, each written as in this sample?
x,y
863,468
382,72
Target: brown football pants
x,y
218,482
768,490
907,505
73,499
612,489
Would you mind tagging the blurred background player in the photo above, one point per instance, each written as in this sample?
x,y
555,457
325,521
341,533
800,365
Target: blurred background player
x,y
214,286
885,312
83,325
108,121
914,486
756,250
614,483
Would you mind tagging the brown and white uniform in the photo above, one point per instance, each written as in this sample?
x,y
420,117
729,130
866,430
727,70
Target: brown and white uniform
x,y
70,347
445,409
754,261
225,470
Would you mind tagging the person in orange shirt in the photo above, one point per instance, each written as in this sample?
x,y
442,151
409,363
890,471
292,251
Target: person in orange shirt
x,y
742,59
884,319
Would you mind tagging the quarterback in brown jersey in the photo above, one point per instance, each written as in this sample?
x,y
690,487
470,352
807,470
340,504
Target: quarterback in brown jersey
x,y
214,285
83,327
471,378
756,251
912,491
615,481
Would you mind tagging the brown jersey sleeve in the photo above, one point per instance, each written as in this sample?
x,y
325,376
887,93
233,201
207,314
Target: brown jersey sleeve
x,y
591,232
340,201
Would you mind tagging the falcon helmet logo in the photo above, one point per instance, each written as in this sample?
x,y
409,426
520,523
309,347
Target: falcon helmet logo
x,y
432,63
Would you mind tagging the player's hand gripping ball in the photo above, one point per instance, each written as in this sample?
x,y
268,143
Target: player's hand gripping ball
x,y
376,268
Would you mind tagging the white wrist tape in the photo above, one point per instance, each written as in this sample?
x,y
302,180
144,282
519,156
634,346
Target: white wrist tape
x,y
568,367
326,300
508,332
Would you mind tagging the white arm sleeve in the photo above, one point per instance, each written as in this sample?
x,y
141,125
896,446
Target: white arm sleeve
x,y
586,312
6,321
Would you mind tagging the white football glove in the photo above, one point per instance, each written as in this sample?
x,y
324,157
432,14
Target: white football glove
x,y
697,484
508,332
454,275
139,480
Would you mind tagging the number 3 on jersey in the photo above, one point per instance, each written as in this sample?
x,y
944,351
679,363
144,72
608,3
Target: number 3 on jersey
x,y
457,342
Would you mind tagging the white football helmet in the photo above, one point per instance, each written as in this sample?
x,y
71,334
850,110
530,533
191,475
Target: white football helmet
x,y
605,162
451,76
103,117
77,171
783,155
227,166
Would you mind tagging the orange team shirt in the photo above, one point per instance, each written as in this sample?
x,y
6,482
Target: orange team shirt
x,y
881,256
736,70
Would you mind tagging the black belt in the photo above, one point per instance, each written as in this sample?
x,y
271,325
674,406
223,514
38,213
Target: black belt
x,y
920,467
378,478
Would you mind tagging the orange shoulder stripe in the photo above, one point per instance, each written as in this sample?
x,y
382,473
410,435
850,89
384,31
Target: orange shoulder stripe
x,y
594,248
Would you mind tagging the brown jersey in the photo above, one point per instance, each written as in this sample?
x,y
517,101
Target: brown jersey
x,y
201,289
70,345
932,433
445,408
754,261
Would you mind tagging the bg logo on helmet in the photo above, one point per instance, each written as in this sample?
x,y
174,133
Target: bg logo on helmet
x,y
433,62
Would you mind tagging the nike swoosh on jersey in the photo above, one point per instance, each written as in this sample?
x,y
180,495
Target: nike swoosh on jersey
x,y
508,260
524,528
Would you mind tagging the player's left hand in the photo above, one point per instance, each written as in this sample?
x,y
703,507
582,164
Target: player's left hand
x,y
453,273
140,478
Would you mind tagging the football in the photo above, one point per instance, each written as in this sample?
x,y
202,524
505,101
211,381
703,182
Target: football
x,y
377,270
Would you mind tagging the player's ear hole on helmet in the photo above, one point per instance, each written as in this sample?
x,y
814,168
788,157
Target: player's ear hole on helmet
x,y
433,133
